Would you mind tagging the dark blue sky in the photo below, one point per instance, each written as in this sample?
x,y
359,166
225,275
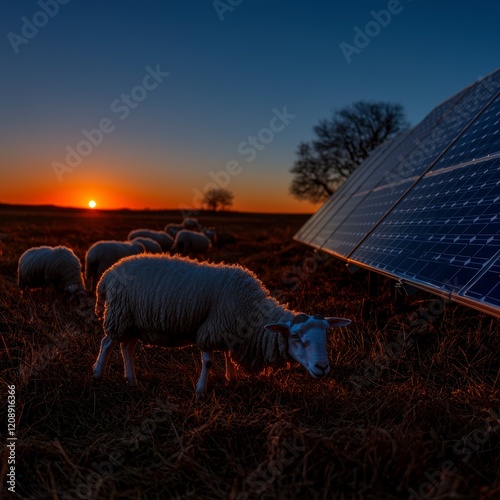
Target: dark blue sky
x,y
225,79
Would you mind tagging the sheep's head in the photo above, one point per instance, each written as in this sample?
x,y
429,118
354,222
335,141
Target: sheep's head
x,y
76,293
307,340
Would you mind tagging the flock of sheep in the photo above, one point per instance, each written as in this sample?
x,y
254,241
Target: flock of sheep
x,y
149,289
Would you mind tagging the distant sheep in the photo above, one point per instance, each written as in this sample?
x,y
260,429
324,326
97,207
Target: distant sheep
x,y
175,302
58,267
164,240
191,243
211,234
191,223
103,254
150,245
173,229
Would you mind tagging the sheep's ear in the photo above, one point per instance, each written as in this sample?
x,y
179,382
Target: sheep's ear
x,y
278,327
338,321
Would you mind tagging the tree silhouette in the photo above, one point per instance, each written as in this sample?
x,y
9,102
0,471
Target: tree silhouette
x,y
341,144
217,199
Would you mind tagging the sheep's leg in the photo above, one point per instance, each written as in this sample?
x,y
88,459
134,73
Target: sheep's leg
x,y
127,349
207,362
231,370
107,344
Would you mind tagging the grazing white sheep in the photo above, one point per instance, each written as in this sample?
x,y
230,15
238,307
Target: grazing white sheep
x,y
151,246
58,267
173,229
191,223
103,254
176,302
191,243
163,239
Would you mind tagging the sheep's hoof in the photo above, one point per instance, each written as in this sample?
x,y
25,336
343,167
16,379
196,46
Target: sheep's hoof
x,y
131,383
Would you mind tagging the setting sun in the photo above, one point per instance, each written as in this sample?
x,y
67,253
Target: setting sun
x,y
92,204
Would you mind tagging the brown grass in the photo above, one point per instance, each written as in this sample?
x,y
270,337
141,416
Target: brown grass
x,y
392,416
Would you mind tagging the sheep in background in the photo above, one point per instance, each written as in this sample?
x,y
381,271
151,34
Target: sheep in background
x,y
211,234
173,229
58,267
188,223
103,254
151,246
191,223
161,237
191,243
175,302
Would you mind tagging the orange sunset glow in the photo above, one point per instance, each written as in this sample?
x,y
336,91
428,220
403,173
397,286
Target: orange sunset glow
x,y
116,185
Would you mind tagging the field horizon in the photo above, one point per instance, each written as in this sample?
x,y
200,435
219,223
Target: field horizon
x,y
410,409
176,212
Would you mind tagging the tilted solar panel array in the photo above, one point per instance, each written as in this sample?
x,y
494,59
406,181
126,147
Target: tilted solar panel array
x,y
425,208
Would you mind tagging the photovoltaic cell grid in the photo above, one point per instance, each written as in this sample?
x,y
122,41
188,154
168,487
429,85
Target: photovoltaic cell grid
x,y
480,140
444,232
439,226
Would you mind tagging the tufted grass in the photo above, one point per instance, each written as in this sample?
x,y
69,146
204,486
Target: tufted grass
x,y
411,407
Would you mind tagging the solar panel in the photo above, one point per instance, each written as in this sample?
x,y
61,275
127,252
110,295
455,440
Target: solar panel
x,y
389,179
480,140
486,288
444,231
426,208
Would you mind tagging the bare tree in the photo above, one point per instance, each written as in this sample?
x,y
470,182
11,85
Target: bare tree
x,y
341,144
217,199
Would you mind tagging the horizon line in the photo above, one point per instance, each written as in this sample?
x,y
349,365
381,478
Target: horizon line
x,y
145,209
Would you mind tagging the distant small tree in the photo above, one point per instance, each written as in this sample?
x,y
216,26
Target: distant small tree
x,y
341,144
217,199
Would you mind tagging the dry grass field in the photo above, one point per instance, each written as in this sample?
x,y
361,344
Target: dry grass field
x,y
411,408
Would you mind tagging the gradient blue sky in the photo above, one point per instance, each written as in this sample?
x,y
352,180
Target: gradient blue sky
x,y
225,78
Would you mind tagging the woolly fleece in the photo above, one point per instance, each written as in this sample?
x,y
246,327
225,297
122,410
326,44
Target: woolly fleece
x,y
174,302
56,266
